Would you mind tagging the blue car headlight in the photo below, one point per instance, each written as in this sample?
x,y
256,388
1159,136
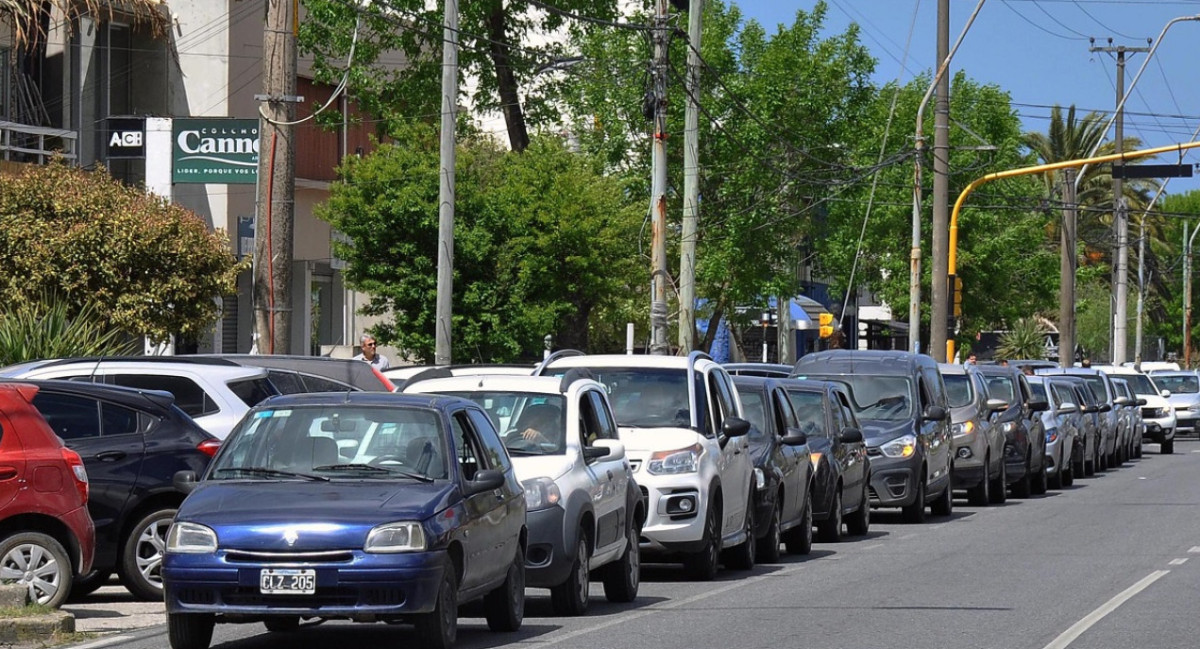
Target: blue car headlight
x,y
191,538
405,536
1051,435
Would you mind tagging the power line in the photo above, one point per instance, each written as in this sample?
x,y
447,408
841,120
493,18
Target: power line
x,y
1022,16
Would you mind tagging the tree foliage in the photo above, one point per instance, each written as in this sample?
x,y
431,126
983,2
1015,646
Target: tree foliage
x,y
53,328
151,268
1025,339
542,242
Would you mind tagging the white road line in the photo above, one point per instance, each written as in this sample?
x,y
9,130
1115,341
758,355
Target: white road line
x,y
1195,549
1177,562
105,642
1077,629
873,546
908,536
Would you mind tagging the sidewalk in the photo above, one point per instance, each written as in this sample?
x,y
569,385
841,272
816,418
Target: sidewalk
x,y
111,610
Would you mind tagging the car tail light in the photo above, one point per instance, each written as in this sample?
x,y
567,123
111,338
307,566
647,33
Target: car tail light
x,y
209,447
81,478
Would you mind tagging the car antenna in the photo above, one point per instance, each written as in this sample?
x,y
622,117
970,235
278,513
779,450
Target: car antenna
x,y
95,368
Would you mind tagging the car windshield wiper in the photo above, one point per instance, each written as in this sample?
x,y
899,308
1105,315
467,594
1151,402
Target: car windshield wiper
x,y
358,466
262,470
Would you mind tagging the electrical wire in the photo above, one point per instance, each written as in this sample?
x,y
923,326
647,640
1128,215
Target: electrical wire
x,y
1097,21
337,91
1007,3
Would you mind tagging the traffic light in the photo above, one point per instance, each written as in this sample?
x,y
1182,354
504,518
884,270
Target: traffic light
x,y
956,290
825,320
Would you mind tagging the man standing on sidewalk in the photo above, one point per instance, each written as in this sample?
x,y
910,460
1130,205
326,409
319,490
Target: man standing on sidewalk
x,y
370,355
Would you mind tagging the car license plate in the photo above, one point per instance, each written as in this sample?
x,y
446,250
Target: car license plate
x,y
284,581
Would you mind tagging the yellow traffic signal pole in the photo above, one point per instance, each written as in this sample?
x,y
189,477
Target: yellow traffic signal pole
x,y
952,266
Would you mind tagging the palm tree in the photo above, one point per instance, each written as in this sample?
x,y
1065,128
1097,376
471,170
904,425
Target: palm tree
x,y
27,18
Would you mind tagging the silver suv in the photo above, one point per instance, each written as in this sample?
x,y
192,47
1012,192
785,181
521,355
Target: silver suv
x,y
585,511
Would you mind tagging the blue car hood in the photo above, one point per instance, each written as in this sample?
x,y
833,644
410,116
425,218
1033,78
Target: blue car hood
x,y
262,515
877,432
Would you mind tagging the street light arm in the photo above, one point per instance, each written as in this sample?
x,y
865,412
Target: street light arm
x,y
941,71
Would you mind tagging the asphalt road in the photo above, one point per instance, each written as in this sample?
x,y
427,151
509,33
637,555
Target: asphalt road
x,y
1113,562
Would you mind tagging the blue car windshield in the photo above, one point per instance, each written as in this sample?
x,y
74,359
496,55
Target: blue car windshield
x,y
881,398
530,423
335,442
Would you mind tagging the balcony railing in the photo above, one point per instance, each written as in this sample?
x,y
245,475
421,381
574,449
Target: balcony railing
x,y
25,143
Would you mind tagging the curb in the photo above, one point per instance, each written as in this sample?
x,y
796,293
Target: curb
x,y
35,627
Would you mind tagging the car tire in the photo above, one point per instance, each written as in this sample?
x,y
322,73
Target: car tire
x,y
570,598
1167,447
799,539
505,606
980,495
140,569
52,573
85,585
768,545
438,629
703,565
914,514
999,487
622,578
743,555
190,630
282,623
859,522
1040,480
1137,450
830,529
1024,487
944,505
1056,481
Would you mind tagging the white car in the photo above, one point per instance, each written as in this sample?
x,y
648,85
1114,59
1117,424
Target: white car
x,y
682,425
1157,413
585,510
214,393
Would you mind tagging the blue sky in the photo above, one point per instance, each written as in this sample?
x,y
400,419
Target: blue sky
x,y
1037,50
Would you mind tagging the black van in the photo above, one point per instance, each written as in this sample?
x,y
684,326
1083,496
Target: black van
x,y
900,401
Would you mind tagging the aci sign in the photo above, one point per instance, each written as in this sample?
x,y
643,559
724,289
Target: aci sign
x,y
214,151
124,138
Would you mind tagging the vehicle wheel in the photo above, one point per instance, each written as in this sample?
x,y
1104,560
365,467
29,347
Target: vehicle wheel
x,y
1167,447
915,513
830,529
438,628
1137,449
140,569
87,584
999,487
1068,474
980,495
768,546
1023,487
570,598
1040,480
944,505
190,630
621,579
703,565
39,563
859,522
742,556
505,606
282,623
1056,481
799,539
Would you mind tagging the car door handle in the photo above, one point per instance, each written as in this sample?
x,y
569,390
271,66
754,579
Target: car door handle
x,y
8,472
610,475
110,456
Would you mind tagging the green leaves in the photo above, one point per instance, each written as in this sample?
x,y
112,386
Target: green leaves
x,y
56,328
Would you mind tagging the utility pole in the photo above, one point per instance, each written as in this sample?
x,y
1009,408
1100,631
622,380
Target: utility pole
x,y
1121,213
1187,298
1066,295
658,199
691,184
445,272
1141,303
275,222
938,320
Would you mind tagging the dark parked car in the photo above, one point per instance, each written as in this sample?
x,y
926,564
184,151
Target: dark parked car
x,y
296,374
1063,423
772,370
46,534
1090,408
358,505
1021,423
839,456
782,469
900,400
978,445
132,442
1107,418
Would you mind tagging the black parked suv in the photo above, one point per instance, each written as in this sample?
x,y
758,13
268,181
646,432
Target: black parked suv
x,y
900,401
132,442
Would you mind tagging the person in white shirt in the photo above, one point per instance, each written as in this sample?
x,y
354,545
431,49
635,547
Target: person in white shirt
x,y
369,355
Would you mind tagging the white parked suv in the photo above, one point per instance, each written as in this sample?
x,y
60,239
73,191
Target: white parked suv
x,y
214,393
682,425
584,509
1157,413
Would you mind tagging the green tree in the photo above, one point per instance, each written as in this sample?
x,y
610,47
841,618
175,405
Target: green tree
x,y
151,268
542,243
48,329
1025,339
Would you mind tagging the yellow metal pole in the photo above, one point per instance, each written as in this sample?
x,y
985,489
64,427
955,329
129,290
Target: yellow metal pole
x,y
952,266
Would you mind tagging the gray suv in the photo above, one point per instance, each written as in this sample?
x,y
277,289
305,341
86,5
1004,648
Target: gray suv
x,y
979,466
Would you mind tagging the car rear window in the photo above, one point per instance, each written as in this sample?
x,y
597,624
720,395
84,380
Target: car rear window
x,y
252,391
190,397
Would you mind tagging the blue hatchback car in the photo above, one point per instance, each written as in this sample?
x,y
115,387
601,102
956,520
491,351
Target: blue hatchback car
x,y
360,506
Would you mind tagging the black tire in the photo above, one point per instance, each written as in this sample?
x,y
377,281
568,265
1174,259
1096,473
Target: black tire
x,y
980,495
1024,487
140,568
768,545
438,629
859,523
830,529
190,630
944,505
504,607
1040,480
51,575
703,565
1167,447
1056,481
87,584
622,578
1068,475
743,555
570,598
1137,449
915,513
999,486
282,623
799,539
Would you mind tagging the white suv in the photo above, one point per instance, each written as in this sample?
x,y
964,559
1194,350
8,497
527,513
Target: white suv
x,y
214,393
1157,412
682,425
584,509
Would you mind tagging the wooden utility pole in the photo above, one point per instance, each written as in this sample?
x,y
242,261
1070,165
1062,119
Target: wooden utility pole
x,y
691,184
445,272
940,293
658,200
1066,295
274,223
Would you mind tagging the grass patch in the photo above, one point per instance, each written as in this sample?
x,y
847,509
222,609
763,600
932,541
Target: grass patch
x,y
29,610
55,640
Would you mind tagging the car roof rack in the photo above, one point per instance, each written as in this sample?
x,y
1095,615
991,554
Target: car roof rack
x,y
562,353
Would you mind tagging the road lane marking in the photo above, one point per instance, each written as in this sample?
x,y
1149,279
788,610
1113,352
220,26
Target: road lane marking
x,y
873,546
1070,635
1177,562
1195,549
908,536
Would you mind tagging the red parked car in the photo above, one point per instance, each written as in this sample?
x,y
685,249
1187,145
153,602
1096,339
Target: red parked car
x,y
46,533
